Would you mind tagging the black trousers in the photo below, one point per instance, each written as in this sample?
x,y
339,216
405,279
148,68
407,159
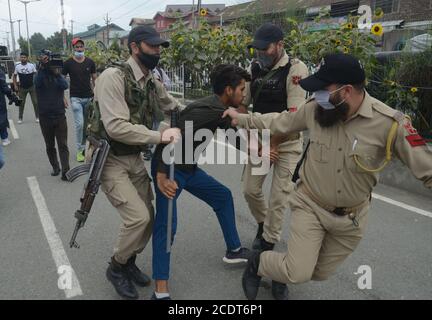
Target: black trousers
x,y
52,130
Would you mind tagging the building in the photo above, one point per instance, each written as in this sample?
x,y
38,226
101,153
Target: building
x,y
186,13
135,22
105,34
402,20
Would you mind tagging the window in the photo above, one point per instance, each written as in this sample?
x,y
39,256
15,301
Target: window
x,y
344,8
313,12
388,6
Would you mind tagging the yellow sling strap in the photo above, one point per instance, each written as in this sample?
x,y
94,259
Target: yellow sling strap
x,y
390,139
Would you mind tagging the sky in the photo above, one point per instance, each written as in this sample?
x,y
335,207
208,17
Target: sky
x,y
45,17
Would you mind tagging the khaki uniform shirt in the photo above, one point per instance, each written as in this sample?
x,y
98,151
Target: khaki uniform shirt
x,y
110,94
330,171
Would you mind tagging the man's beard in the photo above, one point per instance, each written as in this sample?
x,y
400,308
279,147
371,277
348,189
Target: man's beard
x,y
329,118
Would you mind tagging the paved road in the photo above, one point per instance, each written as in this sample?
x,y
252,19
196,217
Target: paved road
x,y
397,244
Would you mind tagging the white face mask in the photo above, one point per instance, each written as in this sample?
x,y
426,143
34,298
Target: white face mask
x,y
322,97
79,54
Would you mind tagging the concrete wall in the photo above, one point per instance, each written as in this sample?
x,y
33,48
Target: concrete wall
x,y
399,176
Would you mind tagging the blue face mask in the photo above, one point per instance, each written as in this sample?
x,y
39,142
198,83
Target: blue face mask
x,y
79,54
322,97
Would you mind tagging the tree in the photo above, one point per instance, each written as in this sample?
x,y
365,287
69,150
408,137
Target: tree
x,y
23,45
55,42
38,42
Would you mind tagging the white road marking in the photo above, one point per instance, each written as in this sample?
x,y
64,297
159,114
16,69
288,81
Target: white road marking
x,y
403,205
14,131
57,250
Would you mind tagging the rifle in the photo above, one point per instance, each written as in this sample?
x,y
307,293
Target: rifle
x,y
174,124
91,187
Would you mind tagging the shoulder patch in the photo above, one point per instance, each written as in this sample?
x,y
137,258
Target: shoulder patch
x,y
411,134
296,79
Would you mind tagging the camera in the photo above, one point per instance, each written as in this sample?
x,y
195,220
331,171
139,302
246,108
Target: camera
x,y
50,60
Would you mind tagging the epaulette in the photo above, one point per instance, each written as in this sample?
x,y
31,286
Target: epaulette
x,y
387,111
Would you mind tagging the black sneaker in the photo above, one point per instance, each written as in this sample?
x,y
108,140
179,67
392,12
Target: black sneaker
x,y
241,256
156,298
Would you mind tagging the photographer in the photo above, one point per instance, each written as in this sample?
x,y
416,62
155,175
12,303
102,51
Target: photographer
x,y
50,86
4,122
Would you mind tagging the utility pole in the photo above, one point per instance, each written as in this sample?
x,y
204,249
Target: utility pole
x,y
72,25
199,12
7,42
193,14
12,31
63,26
19,28
28,34
108,22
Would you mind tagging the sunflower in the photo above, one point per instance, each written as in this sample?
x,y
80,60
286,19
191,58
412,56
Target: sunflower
x,y
203,12
414,90
345,50
349,26
338,42
379,13
377,29
349,42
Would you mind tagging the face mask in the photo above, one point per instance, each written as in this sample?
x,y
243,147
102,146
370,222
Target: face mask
x,y
79,54
265,60
322,97
150,61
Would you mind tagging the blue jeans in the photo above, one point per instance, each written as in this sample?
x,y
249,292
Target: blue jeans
x,y
205,188
2,161
78,109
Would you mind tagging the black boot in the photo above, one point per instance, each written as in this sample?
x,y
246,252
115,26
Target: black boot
x,y
251,280
63,177
256,245
135,274
265,246
55,172
279,291
117,275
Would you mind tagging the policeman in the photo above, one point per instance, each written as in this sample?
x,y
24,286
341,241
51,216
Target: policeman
x,y
274,88
352,138
127,97
4,120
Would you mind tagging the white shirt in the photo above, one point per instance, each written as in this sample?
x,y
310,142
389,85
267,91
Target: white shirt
x,y
28,68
